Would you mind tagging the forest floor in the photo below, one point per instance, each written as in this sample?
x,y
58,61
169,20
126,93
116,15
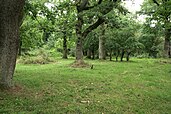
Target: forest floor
x,y
142,86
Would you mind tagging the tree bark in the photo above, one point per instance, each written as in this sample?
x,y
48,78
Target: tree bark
x,y
110,55
167,43
127,57
93,53
117,54
79,42
20,48
46,35
122,54
10,20
89,53
102,53
65,50
170,50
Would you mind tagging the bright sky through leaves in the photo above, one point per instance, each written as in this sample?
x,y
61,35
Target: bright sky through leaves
x,y
133,5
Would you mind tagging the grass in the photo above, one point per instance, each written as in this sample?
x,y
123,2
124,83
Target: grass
x,y
141,86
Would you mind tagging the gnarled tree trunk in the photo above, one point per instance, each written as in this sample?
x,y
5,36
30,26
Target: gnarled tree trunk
x,y
79,42
10,20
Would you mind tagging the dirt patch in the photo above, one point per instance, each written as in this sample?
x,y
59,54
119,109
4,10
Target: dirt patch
x,y
80,64
14,89
165,62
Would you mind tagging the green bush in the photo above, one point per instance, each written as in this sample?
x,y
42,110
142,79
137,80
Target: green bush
x,y
54,53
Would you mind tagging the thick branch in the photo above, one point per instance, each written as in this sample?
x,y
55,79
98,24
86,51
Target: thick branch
x,y
92,27
83,5
156,2
105,11
88,8
100,1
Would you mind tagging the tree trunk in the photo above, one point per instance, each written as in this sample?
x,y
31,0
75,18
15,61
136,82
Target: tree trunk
x,y
110,55
93,52
170,50
122,54
10,20
79,42
167,43
46,35
117,55
79,49
89,53
65,50
102,53
127,57
20,48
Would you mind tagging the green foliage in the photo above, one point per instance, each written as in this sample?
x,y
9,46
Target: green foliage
x,y
151,43
92,41
158,14
123,36
49,22
151,38
30,35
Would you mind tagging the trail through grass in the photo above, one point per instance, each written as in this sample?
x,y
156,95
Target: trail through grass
x,y
141,86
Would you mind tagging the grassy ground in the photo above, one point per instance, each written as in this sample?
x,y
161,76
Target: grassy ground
x,y
142,86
